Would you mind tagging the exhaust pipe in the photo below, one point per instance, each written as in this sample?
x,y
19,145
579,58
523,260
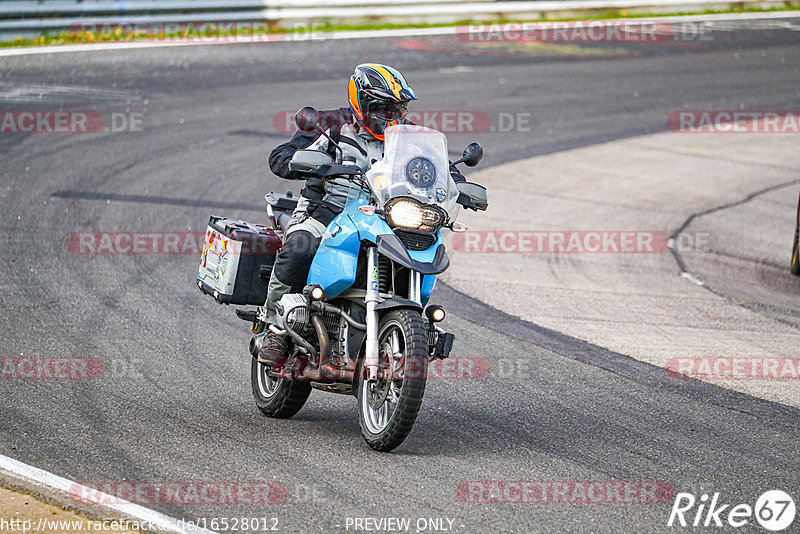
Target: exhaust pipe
x,y
255,344
325,368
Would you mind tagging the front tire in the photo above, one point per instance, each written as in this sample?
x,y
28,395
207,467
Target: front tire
x,y
388,407
277,397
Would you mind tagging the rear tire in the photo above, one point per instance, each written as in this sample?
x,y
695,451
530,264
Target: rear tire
x,y
277,397
795,269
403,343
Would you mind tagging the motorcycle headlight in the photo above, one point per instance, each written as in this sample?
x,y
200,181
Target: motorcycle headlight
x,y
409,213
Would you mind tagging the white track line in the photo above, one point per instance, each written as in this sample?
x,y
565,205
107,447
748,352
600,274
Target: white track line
x,y
144,515
365,34
690,277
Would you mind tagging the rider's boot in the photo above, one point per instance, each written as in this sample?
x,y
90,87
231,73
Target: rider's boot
x,y
274,347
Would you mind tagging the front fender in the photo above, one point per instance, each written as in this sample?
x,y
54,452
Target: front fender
x,y
393,304
434,260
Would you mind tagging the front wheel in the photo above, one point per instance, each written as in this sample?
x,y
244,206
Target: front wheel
x,y
277,397
388,407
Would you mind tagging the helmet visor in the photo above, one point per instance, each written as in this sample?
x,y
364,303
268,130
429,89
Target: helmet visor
x,y
388,111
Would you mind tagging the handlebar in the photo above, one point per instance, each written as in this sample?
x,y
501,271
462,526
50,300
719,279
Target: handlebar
x,y
334,169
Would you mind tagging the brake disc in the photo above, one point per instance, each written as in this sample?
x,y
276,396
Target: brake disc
x,y
376,404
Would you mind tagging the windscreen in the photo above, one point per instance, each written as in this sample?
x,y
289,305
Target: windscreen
x,y
414,165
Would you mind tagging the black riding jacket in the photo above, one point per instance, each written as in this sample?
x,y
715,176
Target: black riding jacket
x,y
314,191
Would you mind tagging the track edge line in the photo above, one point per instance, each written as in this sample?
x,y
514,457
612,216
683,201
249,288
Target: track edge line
x,y
39,477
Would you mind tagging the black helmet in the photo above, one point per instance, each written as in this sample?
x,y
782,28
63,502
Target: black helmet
x,y
379,97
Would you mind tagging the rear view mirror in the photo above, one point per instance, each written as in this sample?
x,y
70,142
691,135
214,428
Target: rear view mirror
x,y
472,154
472,196
310,161
307,119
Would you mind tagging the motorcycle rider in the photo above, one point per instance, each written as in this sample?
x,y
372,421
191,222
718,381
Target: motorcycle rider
x,y
378,98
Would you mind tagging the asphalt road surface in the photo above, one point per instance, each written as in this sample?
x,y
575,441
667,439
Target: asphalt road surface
x,y
173,403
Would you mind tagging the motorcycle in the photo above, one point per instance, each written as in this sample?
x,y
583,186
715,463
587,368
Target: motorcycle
x,y
362,325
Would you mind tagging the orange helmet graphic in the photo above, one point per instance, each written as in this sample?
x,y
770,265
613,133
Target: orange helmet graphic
x,y
379,97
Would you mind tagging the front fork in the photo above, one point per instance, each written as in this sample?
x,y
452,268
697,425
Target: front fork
x,y
371,358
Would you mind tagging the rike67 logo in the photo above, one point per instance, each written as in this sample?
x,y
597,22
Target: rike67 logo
x,y
774,510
